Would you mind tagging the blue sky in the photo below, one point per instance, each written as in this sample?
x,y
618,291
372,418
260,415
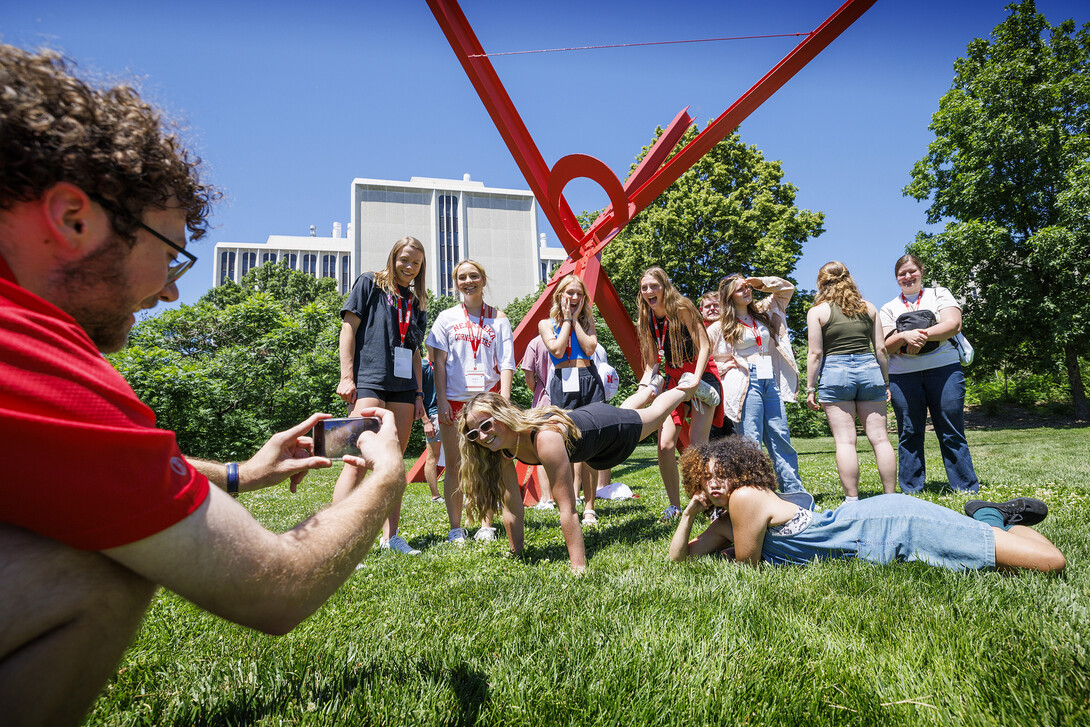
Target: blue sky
x,y
288,102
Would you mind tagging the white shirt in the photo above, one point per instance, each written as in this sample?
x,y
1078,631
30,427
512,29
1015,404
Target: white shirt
x,y
936,300
452,333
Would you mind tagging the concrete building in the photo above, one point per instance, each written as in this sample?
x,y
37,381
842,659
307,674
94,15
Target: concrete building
x,y
455,219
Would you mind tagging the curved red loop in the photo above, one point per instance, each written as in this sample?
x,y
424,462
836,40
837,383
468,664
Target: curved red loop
x,y
583,165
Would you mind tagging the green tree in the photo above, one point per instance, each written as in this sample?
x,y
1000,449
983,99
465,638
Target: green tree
x,y
732,212
1009,173
243,362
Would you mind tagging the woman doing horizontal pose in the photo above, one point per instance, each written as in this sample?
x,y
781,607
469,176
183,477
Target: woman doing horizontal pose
x,y
494,433
733,476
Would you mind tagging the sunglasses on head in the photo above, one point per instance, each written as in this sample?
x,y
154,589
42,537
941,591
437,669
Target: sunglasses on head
x,y
482,429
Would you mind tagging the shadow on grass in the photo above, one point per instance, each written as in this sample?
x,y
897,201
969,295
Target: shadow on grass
x,y
468,686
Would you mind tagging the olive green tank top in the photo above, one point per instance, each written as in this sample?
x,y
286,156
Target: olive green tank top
x,y
846,334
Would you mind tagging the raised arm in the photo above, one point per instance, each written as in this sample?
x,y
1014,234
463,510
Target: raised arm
x,y
556,343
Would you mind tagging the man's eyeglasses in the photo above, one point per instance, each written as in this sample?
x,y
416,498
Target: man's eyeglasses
x,y
482,429
177,268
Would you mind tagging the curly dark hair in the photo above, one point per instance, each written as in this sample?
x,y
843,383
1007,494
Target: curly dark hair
x,y
55,127
738,460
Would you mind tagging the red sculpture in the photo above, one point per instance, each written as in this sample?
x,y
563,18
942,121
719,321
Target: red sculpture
x,y
648,181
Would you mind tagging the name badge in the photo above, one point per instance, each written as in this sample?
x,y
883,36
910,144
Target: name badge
x,y
569,380
403,363
475,379
764,367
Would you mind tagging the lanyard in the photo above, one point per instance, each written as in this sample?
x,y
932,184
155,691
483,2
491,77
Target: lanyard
x,y
756,331
404,316
660,336
475,343
917,304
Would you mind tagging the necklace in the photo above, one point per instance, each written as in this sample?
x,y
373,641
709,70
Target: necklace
x,y
518,437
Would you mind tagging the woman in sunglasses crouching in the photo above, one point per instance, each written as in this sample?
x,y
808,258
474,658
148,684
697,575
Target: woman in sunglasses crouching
x,y
494,433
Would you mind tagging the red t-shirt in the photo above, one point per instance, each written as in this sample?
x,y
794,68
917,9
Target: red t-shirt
x,y
83,462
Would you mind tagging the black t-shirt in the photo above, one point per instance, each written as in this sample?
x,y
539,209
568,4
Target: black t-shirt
x,y
378,334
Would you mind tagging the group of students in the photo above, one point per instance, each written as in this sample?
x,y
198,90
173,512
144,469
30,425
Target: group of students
x,y
728,365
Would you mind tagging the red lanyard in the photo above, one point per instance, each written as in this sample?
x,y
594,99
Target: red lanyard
x,y
918,299
660,336
404,316
475,343
756,331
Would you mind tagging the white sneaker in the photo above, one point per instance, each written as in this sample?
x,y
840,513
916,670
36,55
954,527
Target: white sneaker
x,y
456,536
485,534
671,513
545,505
437,498
589,518
398,544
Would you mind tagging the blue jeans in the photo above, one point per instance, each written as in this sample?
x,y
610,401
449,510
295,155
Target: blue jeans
x,y
764,420
942,392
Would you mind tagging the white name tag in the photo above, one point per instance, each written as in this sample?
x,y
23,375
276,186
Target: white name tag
x,y
403,363
475,379
764,367
569,379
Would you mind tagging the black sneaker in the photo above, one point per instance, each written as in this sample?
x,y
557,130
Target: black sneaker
x,y
1019,511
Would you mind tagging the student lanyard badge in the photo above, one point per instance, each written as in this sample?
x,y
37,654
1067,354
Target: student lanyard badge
x,y
764,361
660,336
912,306
403,357
475,375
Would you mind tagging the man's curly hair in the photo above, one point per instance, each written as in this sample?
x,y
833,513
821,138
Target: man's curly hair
x,y
738,460
55,128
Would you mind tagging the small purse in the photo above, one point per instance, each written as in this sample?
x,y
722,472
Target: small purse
x,y
913,319
965,349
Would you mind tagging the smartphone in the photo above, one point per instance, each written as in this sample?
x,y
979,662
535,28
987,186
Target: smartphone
x,y
334,438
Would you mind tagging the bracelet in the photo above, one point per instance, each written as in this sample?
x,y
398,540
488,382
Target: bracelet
x,y
420,394
232,479
811,389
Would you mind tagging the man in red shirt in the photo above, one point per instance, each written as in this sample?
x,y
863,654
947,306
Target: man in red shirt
x,y
97,506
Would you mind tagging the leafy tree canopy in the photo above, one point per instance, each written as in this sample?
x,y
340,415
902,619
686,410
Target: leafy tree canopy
x,y
732,212
1009,171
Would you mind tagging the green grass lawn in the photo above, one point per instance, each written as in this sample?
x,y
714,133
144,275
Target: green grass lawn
x,y
463,636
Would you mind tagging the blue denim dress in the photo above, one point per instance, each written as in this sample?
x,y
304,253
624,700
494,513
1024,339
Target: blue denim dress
x,y
883,529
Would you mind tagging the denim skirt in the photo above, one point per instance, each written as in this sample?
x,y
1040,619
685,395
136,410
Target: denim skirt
x,y
851,377
886,528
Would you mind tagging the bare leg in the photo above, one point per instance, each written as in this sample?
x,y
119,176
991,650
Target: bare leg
x,y
667,452
431,467
67,617
587,476
403,416
659,411
700,425
1022,547
841,415
873,416
452,483
604,478
546,486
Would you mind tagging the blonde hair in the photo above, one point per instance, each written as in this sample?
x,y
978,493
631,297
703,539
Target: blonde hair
x,y
482,479
835,286
474,263
387,281
675,303
585,316
728,316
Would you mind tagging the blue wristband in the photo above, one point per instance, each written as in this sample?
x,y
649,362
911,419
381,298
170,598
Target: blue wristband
x,y
232,479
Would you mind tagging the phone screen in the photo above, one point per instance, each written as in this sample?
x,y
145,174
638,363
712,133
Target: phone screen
x,y
334,438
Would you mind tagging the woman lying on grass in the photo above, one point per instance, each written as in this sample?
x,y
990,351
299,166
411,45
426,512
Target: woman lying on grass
x,y
494,433
734,479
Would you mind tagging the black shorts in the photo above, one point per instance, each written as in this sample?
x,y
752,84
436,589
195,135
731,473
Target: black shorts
x,y
389,397
590,391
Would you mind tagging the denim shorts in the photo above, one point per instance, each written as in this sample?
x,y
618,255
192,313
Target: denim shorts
x,y
851,377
